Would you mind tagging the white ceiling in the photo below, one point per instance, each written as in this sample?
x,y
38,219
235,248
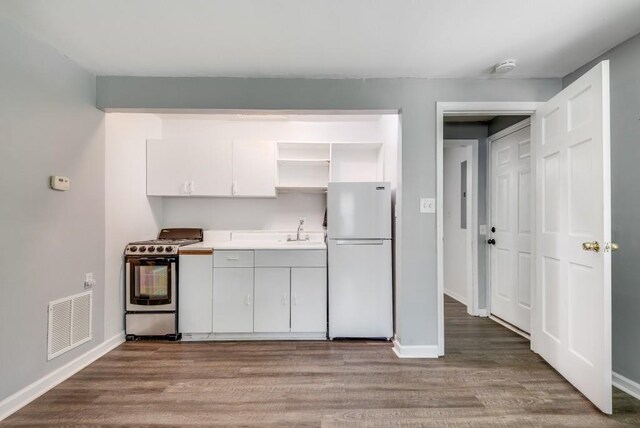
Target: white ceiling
x,y
327,38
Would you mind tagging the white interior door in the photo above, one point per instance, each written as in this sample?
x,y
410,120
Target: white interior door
x,y
510,233
572,329
457,221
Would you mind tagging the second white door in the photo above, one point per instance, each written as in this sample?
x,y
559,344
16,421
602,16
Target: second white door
x,y
510,229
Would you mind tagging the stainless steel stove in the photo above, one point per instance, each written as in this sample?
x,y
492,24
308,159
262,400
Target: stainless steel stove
x,y
151,284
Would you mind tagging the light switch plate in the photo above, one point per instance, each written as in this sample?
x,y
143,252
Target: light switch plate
x,y
483,229
427,205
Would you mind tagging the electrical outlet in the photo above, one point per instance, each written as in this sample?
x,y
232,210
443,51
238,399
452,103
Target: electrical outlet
x,y
89,282
427,205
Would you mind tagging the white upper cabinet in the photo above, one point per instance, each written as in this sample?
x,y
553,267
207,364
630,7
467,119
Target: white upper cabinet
x,y
309,167
189,167
211,170
254,168
168,170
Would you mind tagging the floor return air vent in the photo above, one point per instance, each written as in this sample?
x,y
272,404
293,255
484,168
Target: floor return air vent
x,y
69,323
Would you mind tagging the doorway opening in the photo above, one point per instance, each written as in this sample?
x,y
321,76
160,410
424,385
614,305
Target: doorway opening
x,y
487,215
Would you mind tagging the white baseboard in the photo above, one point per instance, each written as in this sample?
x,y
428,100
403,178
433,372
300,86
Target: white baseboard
x,y
627,385
416,351
15,402
483,313
459,297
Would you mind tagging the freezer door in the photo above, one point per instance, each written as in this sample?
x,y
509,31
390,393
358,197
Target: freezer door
x,y
360,290
359,210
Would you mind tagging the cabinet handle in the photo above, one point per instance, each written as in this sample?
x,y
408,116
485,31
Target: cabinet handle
x,y
192,187
248,300
233,258
295,299
185,189
284,299
234,188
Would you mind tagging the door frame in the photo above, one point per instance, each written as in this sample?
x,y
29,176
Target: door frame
x,y
490,139
471,145
462,109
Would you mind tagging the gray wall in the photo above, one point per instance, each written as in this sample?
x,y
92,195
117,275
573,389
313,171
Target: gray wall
x,y
416,292
48,125
625,198
476,131
499,123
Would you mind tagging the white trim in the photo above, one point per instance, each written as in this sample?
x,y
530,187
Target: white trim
x,y
417,351
15,402
483,313
511,327
627,385
506,108
456,296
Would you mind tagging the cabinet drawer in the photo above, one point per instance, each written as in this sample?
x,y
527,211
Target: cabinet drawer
x,y
230,258
291,258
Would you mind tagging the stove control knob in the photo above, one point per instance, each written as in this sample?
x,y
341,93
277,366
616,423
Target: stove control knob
x,y
168,249
133,249
143,249
159,249
151,249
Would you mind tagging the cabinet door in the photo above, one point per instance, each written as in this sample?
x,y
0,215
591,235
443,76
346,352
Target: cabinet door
x,y
195,303
233,300
308,300
254,172
272,306
210,166
167,167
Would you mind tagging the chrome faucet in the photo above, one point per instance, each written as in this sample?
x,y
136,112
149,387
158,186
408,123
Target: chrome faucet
x,y
298,233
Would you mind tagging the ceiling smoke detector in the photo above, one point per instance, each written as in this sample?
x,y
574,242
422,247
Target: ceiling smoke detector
x,y
505,66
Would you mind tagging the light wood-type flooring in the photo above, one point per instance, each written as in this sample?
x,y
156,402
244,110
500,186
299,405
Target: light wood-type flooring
x,y
488,378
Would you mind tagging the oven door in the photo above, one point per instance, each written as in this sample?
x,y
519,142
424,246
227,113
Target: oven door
x,y
150,284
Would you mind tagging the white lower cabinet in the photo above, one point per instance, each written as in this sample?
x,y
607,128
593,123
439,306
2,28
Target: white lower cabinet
x,y
195,303
308,300
272,301
233,300
247,294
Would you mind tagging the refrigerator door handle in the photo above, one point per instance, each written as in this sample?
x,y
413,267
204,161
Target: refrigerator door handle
x,y
359,241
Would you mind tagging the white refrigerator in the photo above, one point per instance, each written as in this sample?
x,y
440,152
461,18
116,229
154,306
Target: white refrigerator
x,y
360,272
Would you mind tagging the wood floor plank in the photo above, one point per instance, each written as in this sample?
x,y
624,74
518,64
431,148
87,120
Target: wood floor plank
x,y
489,378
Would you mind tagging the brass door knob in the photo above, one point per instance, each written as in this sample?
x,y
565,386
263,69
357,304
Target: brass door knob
x,y
591,246
612,246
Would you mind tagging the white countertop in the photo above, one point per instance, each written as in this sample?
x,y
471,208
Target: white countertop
x,y
258,240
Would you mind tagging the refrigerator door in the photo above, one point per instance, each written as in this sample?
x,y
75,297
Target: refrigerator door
x,y
360,291
359,211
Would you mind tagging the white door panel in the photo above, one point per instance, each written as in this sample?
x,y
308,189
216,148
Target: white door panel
x,y
272,300
254,168
510,256
168,171
233,300
309,299
210,164
573,206
195,303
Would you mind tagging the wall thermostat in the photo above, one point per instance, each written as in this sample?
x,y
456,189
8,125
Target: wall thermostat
x,y
59,182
